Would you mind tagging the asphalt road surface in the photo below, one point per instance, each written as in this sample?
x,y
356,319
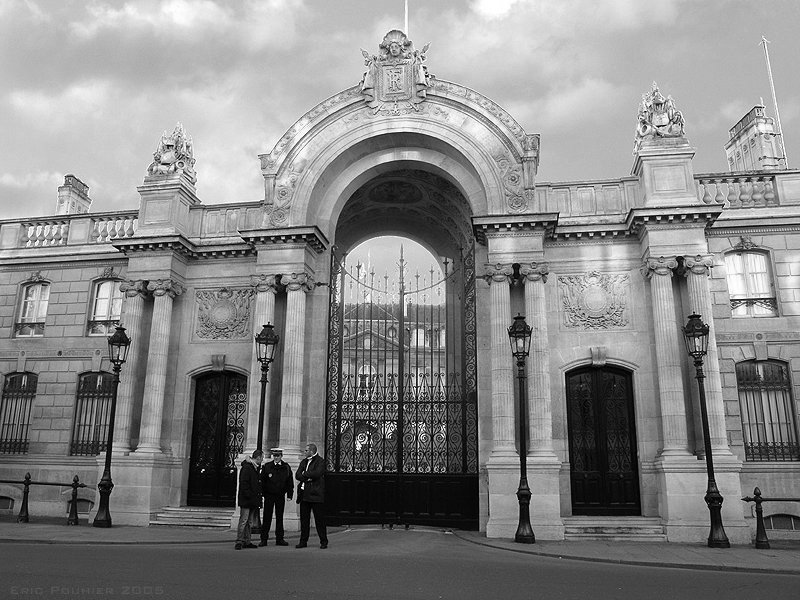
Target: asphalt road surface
x,y
360,564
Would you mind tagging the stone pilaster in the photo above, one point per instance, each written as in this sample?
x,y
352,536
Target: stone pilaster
x,y
540,418
668,355
265,287
164,290
135,292
697,271
297,285
499,279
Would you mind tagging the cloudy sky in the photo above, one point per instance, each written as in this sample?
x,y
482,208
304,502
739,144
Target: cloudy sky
x,y
88,86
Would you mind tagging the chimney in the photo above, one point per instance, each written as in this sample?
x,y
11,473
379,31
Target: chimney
x,y
73,197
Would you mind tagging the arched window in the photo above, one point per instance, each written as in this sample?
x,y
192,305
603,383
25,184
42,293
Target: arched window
x,y
33,310
92,412
768,411
19,390
106,307
750,284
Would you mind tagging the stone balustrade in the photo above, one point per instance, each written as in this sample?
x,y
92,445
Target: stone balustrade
x,y
67,230
742,190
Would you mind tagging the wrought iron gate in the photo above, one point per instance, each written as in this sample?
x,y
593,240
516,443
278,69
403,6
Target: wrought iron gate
x,y
220,408
401,423
602,442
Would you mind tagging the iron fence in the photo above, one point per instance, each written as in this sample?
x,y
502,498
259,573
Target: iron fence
x,y
27,482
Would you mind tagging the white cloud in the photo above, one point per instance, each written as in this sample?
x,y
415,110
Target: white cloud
x,y
579,104
32,180
493,9
253,23
80,100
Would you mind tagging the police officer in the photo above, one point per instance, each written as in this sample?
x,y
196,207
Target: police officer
x,y
276,485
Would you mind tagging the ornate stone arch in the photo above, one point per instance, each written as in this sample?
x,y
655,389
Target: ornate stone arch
x,y
455,132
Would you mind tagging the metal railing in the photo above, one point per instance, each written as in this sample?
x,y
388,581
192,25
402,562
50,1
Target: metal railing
x,y
762,541
24,517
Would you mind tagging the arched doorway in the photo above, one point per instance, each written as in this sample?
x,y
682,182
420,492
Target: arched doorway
x,y
602,442
220,409
401,409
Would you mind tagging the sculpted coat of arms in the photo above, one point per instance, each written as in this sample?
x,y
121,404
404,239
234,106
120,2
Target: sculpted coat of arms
x,y
174,154
658,117
396,80
594,300
223,314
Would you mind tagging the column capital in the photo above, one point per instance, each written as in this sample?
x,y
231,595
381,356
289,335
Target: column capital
x,y
699,264
534,272
498,273
659,266
265,283
161,287
133,288
298,281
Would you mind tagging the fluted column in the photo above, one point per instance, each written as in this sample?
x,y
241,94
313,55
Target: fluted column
x,y
131,319
265,287
697,271
499,278
297,285
164,290
669,346
540,416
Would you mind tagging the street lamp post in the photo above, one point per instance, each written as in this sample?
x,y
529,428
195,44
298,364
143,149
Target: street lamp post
x,y
695,335
118,345
519,334
266,342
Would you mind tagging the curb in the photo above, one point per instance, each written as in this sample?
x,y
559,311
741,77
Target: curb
x,y
631,562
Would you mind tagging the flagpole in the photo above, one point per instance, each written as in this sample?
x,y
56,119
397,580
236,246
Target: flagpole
x,y
764,42
406,25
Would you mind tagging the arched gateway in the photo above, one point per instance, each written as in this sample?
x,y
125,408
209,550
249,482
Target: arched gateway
x,y
401,153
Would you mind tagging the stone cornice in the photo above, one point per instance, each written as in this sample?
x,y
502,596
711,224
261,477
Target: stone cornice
x,y
671,216
311,236
182,246
484,227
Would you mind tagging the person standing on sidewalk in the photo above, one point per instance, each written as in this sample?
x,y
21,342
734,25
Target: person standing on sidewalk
x,y
249,498
276,485
311,496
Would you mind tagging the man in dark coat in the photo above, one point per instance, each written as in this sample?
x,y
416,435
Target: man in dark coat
x,y
311,496
249,498
276,485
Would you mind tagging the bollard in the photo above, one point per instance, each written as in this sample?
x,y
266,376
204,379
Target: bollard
x,y
762,541
23,511
73,508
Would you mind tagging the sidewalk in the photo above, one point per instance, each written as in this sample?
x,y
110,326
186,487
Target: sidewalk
x,y
784,557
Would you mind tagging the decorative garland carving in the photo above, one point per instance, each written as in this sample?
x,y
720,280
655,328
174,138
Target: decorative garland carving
x,y
223,314
594,300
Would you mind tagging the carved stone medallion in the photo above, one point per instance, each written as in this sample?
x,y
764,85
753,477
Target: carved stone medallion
x,y
223,314
594,300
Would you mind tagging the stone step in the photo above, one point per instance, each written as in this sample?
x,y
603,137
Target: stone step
x,y
193,516
631,529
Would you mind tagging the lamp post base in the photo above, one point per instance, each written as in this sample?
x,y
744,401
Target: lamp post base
x,y
103,516
524,533
716,537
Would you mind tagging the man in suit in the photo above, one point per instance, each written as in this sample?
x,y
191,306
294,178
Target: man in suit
x,y
311,496
276,485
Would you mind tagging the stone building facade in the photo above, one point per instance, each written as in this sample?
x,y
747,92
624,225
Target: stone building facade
x,y
606,273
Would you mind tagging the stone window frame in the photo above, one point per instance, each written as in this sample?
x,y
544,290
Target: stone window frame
x,y
104,324
16,407
31,323
754,303
768,412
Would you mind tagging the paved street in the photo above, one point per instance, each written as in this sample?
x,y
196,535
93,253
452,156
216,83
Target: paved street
x,y
366,563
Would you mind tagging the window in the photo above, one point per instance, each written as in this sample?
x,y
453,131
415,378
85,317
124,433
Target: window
x,y
106,308
33,310
92,412
750,285
19,390
768,411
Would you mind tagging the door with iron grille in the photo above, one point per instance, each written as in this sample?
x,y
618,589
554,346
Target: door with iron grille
x,y
602,442
401,422
220,408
